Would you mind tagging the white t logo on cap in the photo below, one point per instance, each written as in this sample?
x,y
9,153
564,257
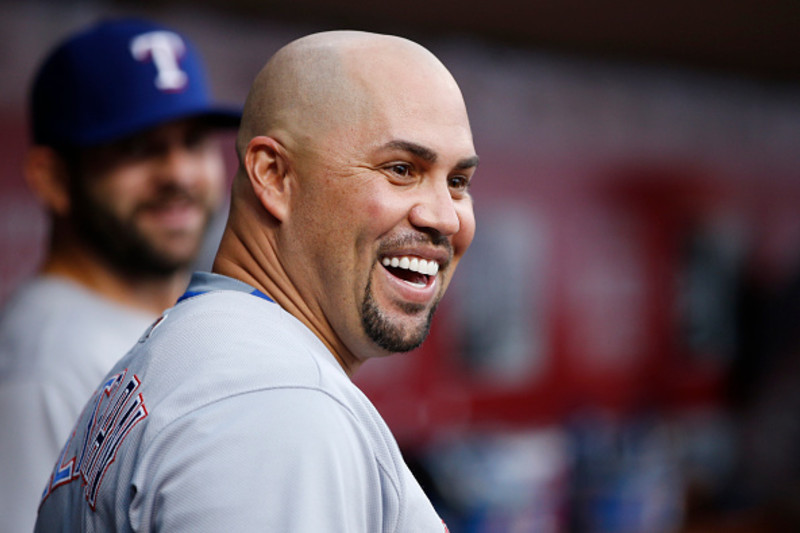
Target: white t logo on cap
x,y
164,48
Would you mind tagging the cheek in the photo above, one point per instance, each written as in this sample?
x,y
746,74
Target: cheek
x,y
374,209
213,180
359,211
316,228
119,192
466,232
213,165
383,209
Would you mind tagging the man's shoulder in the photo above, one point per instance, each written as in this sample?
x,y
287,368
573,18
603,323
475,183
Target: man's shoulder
x,y
49,324
46,300
38,295
222,344
219,346
235,323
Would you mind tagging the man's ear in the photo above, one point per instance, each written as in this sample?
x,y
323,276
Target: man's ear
x,y
46,174
267,166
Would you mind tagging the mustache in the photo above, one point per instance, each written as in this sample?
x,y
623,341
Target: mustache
x,y
435,239
173,194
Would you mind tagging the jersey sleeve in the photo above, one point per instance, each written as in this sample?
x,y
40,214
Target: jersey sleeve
x,y
284,460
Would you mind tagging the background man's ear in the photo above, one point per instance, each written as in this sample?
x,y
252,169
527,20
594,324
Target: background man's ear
x,y
46,175
267,167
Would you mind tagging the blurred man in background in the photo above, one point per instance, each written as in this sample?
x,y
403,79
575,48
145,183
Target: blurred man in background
x,y
126,163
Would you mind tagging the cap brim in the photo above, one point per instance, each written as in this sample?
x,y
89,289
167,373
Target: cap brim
x,y
218,117
223,119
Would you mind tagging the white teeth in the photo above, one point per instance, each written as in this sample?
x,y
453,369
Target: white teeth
x,y
414,264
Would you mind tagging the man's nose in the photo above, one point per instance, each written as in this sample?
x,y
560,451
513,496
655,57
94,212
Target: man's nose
x,y
436,209
177,163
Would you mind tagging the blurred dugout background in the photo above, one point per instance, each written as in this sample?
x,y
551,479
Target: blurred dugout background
x,y
620,351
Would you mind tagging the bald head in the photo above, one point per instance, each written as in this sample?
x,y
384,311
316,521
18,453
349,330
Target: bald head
x,y
328,80
356,155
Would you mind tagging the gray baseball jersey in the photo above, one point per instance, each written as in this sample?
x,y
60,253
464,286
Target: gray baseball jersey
x,y
57,341
231,415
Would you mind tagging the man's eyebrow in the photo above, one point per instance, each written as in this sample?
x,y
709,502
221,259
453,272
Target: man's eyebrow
x,y
469,162
426,154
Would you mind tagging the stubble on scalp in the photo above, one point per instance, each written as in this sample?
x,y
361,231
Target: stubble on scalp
x,y
302,94
331,82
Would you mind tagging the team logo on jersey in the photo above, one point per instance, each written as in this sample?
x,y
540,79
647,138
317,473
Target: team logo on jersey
x,y
115,409
164,49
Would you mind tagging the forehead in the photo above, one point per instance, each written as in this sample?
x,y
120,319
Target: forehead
x,y
413,106
375,92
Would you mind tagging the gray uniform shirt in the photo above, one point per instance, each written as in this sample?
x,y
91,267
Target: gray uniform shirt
x,y
231,415
57,341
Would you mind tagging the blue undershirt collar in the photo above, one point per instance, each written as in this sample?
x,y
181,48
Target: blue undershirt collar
x,y
203,282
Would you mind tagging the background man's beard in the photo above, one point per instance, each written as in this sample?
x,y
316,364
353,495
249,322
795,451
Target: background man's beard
x,y
120,243
387,335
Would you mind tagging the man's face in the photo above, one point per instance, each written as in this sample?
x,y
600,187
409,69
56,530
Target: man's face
x,y
144,203
384,214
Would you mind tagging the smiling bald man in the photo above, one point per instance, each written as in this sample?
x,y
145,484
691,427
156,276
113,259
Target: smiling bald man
x,y
349,214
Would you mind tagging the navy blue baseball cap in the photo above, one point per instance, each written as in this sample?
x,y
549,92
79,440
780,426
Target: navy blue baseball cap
x,y
119,78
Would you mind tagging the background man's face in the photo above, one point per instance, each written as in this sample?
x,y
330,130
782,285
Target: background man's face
x,y
144,203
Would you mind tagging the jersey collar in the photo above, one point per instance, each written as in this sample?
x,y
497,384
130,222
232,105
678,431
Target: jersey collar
x,y
203,282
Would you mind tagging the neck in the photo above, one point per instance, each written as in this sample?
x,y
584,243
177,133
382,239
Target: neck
x,y
149,294
249,255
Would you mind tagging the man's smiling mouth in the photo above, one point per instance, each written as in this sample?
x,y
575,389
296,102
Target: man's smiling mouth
x,y
412,269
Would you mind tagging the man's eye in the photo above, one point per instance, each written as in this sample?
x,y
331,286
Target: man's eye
x,y
135,149
458,183
401,169
197,138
